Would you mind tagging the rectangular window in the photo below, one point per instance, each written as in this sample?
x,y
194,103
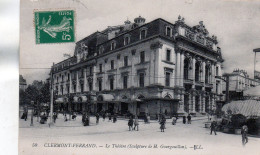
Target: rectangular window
x,y
62,78
111,84
168,31
90,70
126,61
57,79
125,81
217,85
113,45
168,55
61,89
68,77
100,68
68,89
141,79
142,57
112,64
126,40
216,71
74,88
82,73
81,87
167,79
100,85
90,85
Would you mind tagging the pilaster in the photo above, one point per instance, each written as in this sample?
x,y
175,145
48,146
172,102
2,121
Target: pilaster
x,y
85,79
181,68
77,81
178,64
94,84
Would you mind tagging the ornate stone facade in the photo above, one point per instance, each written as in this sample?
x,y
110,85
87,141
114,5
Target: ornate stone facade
x,y
155,67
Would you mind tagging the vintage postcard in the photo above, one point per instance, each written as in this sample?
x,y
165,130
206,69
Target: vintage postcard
x,y
139,77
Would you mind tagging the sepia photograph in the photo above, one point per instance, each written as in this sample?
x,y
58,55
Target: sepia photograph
x,y
139,77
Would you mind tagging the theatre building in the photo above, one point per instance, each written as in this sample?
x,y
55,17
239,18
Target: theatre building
x,y
156,67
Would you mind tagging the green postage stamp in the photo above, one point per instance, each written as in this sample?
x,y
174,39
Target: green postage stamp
x,y
54,26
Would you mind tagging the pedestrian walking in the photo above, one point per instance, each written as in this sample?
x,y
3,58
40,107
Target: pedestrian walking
x,y
65,118
86,123
189,119
174,120
136,123
109,117
145,118
83,118
74,116
162,123
244,131
148,118
184,119
97,118
114,118
54,117
213,127
130,124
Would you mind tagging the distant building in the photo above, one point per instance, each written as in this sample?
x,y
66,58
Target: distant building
x,y
239,81
22,83
155,67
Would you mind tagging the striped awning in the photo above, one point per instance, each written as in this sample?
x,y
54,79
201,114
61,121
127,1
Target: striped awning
x,y
245,107
75,99
105,97
59,100
83,99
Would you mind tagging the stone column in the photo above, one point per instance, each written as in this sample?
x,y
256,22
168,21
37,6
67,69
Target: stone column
x,y
181,107
203,105
94,84
203,71
213,81
178,64
71,83
193,69
85,80
191,103
77,84
181,69
132,72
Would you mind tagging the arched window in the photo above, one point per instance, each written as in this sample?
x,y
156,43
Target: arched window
x,y
113,45
186,68
197,71
207,73
127,40
143,33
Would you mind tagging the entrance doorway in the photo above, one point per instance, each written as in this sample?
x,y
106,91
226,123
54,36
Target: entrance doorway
x,y
99,107
124,108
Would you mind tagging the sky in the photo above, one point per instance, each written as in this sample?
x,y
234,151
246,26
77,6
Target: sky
x,y
235,23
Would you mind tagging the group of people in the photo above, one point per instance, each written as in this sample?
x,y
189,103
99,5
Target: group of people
x,y
111,116
188,118
133,123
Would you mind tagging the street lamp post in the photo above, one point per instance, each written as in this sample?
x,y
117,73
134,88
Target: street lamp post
x,y
51,104
32,113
